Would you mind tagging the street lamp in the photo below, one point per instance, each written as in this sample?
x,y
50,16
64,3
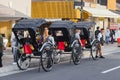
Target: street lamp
x,y
80,4
81,10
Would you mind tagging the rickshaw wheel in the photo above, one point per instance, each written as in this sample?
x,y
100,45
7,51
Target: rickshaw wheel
x,y
23,61
76,54
56,57
46,61
94,48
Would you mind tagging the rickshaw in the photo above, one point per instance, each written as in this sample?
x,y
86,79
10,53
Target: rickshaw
x,y
25,32
89,44
63,33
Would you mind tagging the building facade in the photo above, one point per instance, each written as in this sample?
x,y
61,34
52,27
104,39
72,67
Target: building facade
x,y
101,12
10,11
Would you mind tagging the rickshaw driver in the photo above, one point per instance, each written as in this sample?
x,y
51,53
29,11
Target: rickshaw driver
x,y
50,38
77,36
101,41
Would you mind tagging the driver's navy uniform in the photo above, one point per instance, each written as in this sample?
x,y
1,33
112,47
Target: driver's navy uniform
x,y
51,40
77,36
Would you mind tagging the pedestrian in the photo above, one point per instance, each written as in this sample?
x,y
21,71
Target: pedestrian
x,y
1,50
14,45
107,36
90,34
5,41
97,32
117,34
112,36
101,42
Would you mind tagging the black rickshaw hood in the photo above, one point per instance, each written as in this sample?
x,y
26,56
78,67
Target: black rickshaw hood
x,y
62,24
84,24
29,23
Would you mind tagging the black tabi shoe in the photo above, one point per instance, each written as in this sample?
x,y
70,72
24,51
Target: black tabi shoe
x,y
102,57
96,56
1,66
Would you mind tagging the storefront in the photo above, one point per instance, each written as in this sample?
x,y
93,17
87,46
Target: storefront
x,y
102,17
8,17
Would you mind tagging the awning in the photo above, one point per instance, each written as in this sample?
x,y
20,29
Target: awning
x,y
96,12
7,13
115,11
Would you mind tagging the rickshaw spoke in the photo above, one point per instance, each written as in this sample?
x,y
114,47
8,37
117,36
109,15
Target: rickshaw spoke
x,y
46,61
23,62
76,54
94,47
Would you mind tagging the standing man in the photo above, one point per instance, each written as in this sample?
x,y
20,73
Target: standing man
x,y
97,32
5,41
111,36
107,36
14,44
101,42
1,50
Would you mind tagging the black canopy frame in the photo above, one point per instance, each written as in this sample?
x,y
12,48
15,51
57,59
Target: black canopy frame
x,y
84,26
31,26
67,29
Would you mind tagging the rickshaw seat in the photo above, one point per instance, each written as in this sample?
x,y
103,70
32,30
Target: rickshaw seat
x,y
61,45
83,42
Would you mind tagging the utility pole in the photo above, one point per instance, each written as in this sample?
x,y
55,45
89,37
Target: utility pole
x,y
81,10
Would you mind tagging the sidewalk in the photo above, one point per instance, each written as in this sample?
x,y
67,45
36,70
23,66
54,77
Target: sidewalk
x,y
8,58
7,62
111,48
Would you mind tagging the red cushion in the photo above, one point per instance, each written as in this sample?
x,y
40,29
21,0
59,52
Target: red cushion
x,y
61,45
83,42
27,49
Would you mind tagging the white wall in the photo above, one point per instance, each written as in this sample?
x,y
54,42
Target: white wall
x,y
23,6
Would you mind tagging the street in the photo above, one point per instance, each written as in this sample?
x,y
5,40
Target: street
x,y
101,69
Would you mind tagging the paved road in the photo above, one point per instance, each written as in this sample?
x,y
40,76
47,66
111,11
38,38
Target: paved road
x,y
101,69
